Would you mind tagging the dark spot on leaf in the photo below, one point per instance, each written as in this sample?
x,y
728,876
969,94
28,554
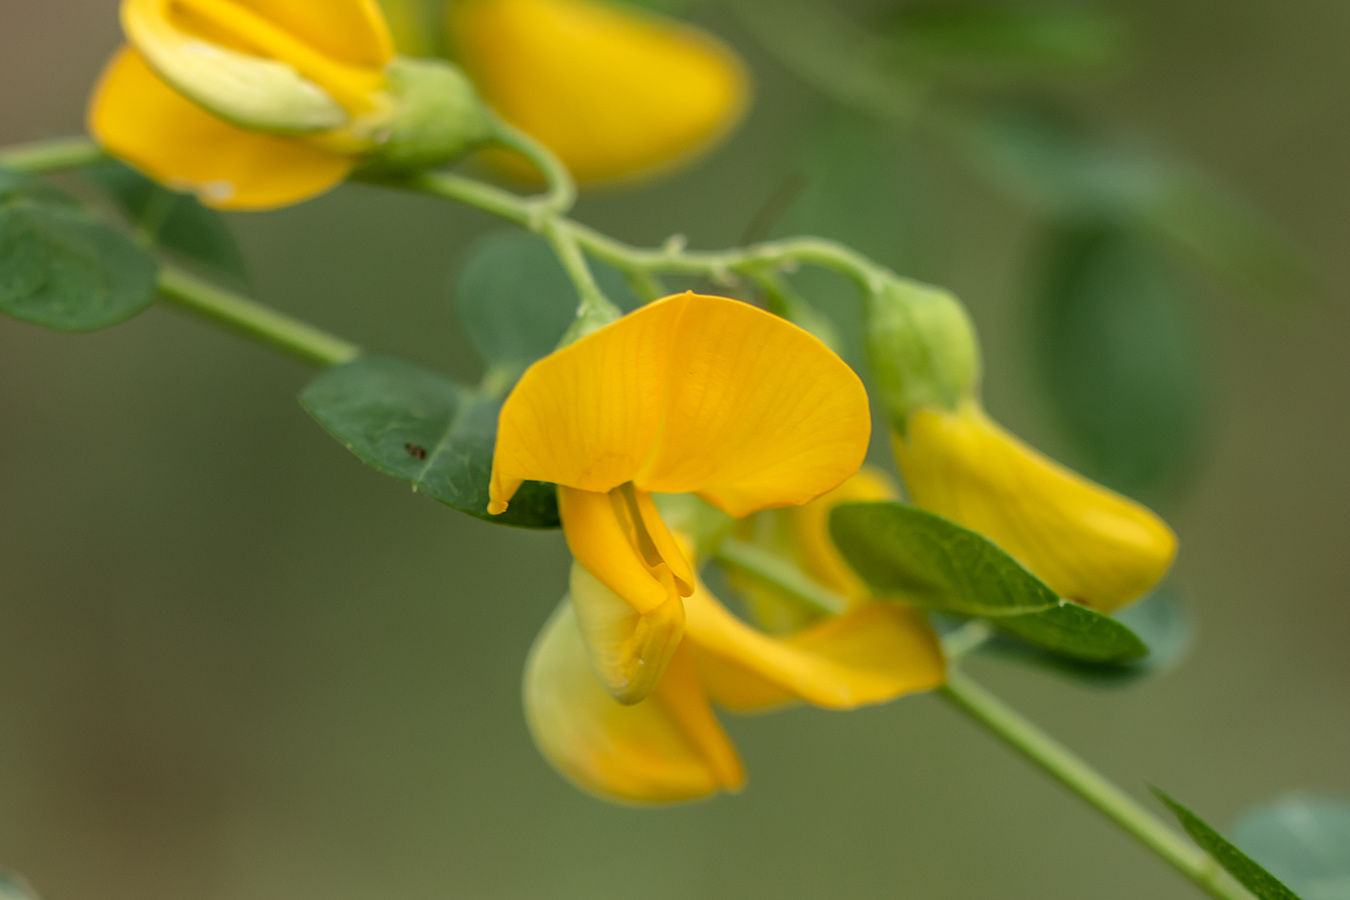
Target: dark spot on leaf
x,y
416,451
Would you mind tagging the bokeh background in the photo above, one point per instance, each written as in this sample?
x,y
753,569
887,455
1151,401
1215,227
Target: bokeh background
x,y
236,663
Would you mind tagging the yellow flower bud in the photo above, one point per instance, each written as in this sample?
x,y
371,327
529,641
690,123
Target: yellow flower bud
x,y
1089,544
613,91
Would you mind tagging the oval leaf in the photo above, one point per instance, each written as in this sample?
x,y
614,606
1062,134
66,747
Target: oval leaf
x,y
1303,840
939,565
173,221
424,429
1238,864
63,268
1118,358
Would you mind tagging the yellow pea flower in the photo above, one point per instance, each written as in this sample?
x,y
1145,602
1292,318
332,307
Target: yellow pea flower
x,y
670,746
690,394
255,104
615,92
1087,543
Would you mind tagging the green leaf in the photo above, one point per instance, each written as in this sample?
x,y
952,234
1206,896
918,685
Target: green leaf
x,y
1066,168
14,887
516,300
1238,864
938,565
1003,42
425,429
1303,840
62,267
172,221
1161,620
1118,357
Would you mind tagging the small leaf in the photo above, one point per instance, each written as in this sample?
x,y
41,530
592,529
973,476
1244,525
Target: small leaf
x,y
1238,864
425,429
1160,620
516,301
1303,840
1118,358
1005,41
62,267
938,565
170,220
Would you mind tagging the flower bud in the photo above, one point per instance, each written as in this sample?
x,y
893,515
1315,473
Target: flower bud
x,y
922,348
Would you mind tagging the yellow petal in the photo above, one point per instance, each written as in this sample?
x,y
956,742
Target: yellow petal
x,y
876,652
1087,543
140,119
620,538
613,91
668,748
688,394
629,650
812,545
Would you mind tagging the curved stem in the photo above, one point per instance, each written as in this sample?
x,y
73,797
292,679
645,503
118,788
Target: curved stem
x,y
254,320
1090,785
561,188
51,156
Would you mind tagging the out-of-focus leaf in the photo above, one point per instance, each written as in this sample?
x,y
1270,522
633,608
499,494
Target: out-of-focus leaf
x,y
516,301
1304,841
1119,357
924,559
667,7
172,221
1003,41
418,26
14,887
1161,620
425,429
856,185
62,267
1065,169
1238,864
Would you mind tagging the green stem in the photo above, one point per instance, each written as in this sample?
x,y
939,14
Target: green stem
x,y
51,156
778,573
254,320
1090,785
562,190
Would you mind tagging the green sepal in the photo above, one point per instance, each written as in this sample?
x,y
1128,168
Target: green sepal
x,y
1246,870
425,429
437,116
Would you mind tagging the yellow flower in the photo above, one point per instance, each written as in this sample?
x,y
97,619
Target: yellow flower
x,y
255,104
1087,543
613,91
690,394
670,746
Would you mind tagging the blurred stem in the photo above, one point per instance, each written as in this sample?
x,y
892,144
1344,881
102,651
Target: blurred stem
x,y
561,193
51,156
1090,785
254,320
777,572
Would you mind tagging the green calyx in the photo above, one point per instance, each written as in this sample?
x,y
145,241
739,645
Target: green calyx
x,y
437,116
922,348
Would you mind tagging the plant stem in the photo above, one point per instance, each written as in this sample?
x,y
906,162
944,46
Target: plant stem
x,y
1090,785
781,574
50,156
254,320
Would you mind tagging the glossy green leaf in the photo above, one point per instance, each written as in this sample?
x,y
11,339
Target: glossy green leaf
x,y
62,267
1238,864
938,565
1161,620
425,429
1005,41
1304,841
172,221
1118,356
516,301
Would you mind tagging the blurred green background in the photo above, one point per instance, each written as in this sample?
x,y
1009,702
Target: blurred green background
x,y
235,662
